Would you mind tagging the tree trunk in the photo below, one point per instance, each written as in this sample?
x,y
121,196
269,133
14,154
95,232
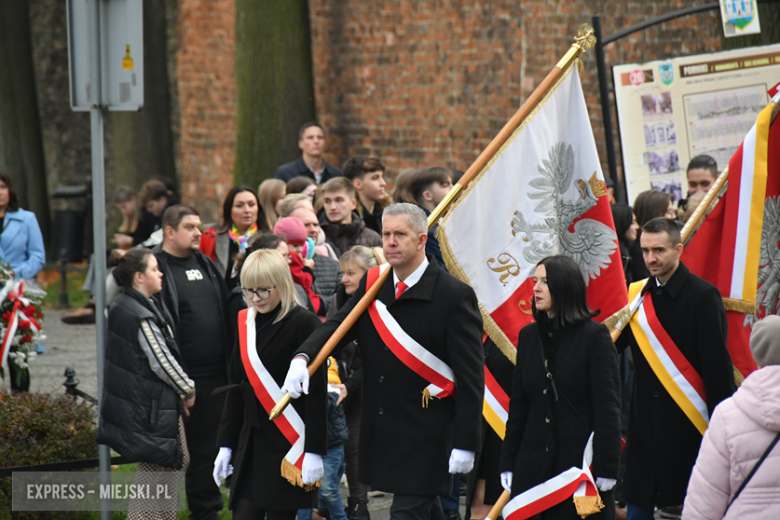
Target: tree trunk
x,y
21,147
275,88
141,143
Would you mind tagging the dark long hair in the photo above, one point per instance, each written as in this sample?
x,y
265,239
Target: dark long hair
x,y
227,207
567,290
135,261
13,197
623,215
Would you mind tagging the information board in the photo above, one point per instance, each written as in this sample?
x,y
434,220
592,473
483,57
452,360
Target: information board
x,y
673,110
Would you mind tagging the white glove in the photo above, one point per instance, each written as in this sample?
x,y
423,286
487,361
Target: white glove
x,y
605,484
222,466
297,380
312,469
506,481
461,461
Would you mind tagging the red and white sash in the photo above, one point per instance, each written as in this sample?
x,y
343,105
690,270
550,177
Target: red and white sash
x,y
269,393
496,406
411,353
672,368
575,481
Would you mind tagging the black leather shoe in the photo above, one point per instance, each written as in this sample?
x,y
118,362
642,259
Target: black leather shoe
x,y
452,514
357,510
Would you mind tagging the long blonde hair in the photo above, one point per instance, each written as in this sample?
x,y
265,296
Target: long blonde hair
x,y
126,194
268,268
269,193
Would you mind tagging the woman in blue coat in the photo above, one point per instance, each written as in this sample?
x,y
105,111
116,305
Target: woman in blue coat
x,y
21,242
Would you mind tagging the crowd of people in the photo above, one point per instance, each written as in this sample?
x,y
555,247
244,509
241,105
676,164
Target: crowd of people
x,y
215,324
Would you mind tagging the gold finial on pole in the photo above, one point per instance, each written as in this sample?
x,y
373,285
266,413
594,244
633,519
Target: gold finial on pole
x,y
583,41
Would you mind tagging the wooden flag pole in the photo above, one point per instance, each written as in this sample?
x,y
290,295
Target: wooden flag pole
x,y
582,42
500,503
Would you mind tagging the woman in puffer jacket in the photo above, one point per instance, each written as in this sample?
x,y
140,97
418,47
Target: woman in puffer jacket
x,y
741,429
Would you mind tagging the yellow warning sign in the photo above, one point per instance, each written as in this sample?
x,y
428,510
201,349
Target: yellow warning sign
x,y
127,61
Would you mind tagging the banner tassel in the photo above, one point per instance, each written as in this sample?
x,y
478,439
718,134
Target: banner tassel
x,y
293,476
587,506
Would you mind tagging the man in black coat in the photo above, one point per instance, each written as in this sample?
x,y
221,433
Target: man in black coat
x,y
194,292
663,443
406,448
311,141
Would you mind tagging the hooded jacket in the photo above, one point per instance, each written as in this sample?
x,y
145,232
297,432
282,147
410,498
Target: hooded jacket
x,y
740,430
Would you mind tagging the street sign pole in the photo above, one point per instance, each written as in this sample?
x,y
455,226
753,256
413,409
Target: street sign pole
x,y
99,230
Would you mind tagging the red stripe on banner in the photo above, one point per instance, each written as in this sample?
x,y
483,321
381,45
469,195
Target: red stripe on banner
x,y
260,391
496,390
729,240
682,364
515,312
407,358
547,501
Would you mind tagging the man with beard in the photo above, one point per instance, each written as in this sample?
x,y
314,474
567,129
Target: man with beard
x,y
194,292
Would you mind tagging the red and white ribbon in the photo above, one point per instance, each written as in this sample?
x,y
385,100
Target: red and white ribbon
x,y
267,391
575,482
405,348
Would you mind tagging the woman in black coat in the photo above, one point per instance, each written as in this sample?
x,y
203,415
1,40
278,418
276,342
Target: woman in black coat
x,y
565,387
270,477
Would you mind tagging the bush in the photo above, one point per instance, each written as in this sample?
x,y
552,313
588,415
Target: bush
x,y
38,428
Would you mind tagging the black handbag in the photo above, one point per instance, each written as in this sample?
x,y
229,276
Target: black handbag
x,y
753,471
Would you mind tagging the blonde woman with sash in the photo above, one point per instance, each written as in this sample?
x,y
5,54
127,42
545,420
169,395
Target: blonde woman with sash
x,y
277,465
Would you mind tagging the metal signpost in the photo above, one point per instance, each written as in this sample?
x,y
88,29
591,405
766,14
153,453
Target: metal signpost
x,y
105,49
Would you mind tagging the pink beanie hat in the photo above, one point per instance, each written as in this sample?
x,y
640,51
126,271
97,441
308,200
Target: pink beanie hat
x,y
292,229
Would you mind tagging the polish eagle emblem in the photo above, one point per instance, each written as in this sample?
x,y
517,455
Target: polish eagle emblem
x,y
769,262
591,243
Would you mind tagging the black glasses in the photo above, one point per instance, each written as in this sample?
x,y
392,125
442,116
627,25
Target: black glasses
x,y
262,293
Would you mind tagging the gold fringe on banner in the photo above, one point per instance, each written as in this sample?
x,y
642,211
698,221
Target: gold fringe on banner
x,y
293,476
742,306
619,320
587,506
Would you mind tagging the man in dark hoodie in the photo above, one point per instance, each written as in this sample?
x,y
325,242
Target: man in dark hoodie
x,y
194,292
340,220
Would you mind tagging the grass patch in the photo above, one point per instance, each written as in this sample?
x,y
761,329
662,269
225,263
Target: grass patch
x,y
49,280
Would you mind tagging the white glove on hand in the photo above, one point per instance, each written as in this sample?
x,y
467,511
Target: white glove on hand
x,y
605,484
506,481
461,461
297,380
312,469
222,467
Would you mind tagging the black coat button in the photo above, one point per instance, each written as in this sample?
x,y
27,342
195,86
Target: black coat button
x,y
381,411
381,379
656,394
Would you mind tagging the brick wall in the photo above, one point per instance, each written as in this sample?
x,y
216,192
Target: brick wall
x,y
417,82
432,81
207,97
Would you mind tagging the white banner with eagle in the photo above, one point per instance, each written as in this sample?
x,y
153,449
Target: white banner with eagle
x,y
542,194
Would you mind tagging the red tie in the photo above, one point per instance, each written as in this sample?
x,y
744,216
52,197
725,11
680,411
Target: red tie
x,y
401,289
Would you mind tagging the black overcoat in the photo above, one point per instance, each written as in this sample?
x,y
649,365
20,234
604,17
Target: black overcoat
x,y
663,443
545,438
405,448
486,464
258,445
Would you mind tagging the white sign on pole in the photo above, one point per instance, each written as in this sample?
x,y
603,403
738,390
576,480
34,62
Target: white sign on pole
x,y
673,110
121,53
740,17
